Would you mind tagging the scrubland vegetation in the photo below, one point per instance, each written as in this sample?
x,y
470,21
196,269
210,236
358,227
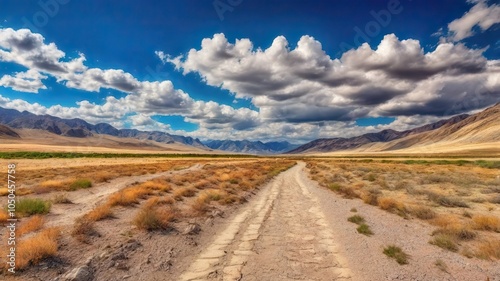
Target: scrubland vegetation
x,y
170,198
459,198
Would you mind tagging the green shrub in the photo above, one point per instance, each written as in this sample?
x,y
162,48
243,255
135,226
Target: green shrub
x,y
445,241
364,229
357,219
31,206
80,183
397,254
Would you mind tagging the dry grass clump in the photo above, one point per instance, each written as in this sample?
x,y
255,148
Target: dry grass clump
x,y
99,213
181,192
157,200
83,230
371,196
423,213
4,216
489,249
61,199
460,232
157,184
104,176
68,185
34,249
388,203
128,196
53,184
200,203
446,201
486,222
30,225
445,241
154,218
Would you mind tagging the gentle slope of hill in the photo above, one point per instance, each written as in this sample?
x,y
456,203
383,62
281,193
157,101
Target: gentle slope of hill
x,y
6,132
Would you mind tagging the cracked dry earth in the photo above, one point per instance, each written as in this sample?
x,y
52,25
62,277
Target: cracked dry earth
x,y
282,235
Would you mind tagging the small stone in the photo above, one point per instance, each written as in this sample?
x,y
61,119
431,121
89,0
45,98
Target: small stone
x,y
82,273
122,265
192,229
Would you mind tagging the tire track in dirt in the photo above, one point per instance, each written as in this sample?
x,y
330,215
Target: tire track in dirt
x,y
84,200
281,235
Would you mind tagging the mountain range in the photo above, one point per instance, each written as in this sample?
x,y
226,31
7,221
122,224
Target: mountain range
x,y
80,129
251,147
480,131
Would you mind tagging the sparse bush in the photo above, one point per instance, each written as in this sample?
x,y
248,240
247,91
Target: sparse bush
x,y
446,201
357,219
34,223
388,204
422,213
34,249
467,214
183,192
99,213
371,196
489,249
459,232
371,177
52,184
334,187
61,199
486,222
128,196
80,184
445,241
31,206
396,253
354,210
364,229
83,229
495,200
441,265
154,218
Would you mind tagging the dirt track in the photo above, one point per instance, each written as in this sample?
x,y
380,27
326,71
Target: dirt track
x,y
281,235
294,230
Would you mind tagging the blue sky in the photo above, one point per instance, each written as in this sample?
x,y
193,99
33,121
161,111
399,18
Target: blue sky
x,y
424,60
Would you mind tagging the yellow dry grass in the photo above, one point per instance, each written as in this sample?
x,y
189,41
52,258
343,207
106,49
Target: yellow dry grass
x,y
34,249
31,224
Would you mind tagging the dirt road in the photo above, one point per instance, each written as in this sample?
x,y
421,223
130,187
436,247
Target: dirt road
x,y
281,235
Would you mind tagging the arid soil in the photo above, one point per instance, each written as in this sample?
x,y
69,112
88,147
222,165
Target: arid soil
x,y
290,229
